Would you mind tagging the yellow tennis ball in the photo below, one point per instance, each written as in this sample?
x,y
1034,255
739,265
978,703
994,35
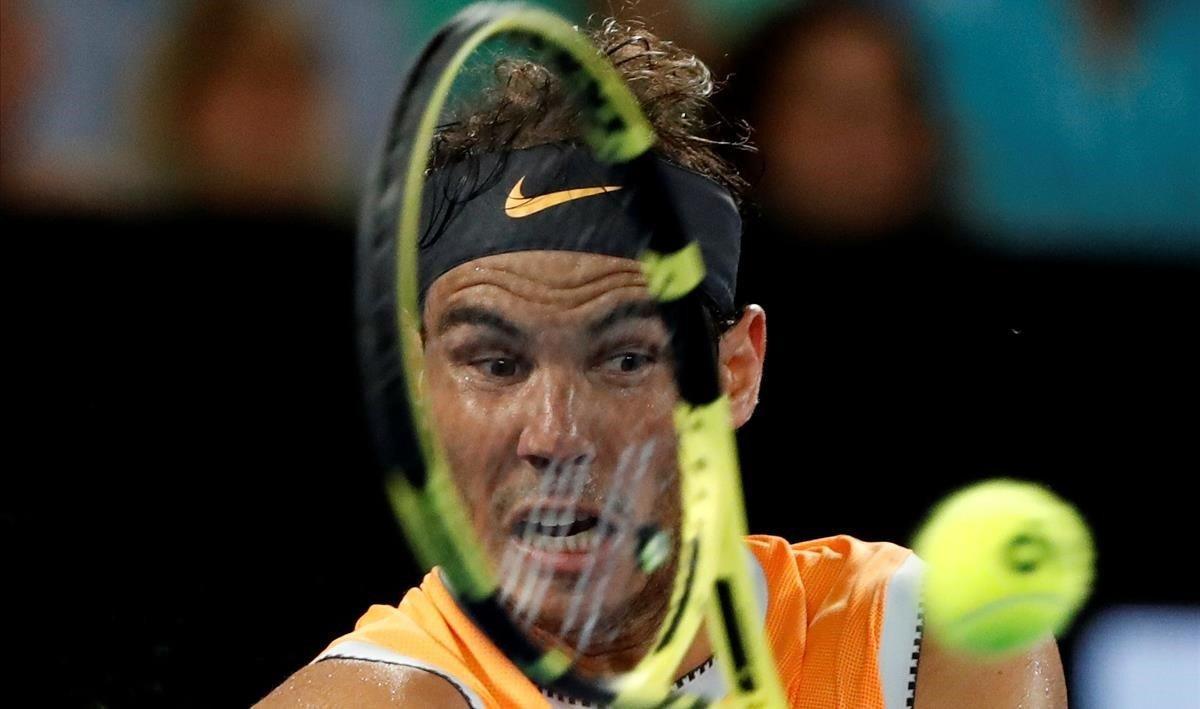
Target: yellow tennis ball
x,y
1008,564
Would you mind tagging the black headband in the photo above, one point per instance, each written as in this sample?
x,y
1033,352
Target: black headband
x,y
557,197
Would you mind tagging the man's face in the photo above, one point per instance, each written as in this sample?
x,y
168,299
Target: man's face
x,y
549,379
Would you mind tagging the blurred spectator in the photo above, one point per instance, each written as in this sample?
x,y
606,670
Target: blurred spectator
x,y
83,133
1076,125
237,117
62,150
847,151
870,299
18,68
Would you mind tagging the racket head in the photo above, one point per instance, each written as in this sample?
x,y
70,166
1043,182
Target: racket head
x,y
678,533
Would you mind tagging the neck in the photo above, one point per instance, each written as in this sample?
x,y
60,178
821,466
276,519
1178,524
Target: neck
x,y
697,654
618,658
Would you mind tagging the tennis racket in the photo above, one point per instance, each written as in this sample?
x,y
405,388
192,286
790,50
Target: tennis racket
x,y
701,559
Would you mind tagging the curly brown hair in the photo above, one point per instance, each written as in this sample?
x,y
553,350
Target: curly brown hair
x,y
528,105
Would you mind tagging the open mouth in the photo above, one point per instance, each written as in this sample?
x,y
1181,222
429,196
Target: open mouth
x,y
562,530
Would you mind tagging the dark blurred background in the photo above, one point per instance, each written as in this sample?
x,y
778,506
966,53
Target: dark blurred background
x,y
976,233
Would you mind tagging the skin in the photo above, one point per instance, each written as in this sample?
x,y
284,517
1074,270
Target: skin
x,y
1029,680
543,371
524,383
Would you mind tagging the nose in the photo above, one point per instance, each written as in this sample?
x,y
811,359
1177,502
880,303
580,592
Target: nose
x,y
554,435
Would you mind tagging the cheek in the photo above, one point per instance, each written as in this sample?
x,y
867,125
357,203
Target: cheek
x,y
633,422
473,431
644,425
454,408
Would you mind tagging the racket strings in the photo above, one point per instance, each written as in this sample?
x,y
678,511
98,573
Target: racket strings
x,y
571,618
667,485
623,535
571,479
525,578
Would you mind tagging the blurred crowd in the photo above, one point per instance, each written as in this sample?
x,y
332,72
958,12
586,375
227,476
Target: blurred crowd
x,y
1042,126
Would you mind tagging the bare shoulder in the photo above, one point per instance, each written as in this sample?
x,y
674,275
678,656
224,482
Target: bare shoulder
x,y
358,683
1033,679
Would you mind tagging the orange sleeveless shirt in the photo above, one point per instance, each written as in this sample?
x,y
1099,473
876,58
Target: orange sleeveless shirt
x,y
842,621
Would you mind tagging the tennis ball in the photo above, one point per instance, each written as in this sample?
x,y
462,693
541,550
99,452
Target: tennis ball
x,y
1008,564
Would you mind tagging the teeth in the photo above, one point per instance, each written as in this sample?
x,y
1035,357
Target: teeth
x,y
565,518
581,542
556,529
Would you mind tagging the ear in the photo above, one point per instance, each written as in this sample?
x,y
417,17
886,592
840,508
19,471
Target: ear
x,y
742,350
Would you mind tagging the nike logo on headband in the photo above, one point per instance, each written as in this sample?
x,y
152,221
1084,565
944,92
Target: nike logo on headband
x,y
518,205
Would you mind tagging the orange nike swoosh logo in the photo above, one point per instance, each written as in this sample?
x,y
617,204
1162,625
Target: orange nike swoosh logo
x,y
518,205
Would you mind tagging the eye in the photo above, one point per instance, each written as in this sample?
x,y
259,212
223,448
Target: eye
x,y
498,367
629,362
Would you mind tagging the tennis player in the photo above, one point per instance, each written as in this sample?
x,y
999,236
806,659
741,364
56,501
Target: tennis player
x,y
539,330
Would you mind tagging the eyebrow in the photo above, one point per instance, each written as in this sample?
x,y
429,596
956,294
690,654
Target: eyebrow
x,y
637,309
480,317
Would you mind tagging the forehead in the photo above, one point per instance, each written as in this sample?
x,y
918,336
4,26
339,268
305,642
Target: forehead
x,y
561,284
